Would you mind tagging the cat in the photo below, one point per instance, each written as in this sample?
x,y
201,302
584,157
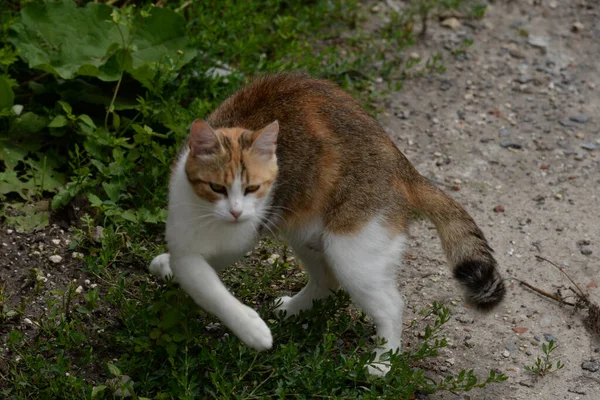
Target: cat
x,y
300,157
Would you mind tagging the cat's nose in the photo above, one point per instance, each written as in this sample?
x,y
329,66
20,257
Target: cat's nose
x,y
236,213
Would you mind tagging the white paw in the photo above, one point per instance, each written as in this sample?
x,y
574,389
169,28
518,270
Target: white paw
x,y
252,330
284,307
160,266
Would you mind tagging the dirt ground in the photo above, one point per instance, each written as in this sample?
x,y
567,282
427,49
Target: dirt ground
x,y
511,130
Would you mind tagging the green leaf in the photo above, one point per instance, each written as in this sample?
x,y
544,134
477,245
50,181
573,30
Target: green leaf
x,y
67,40
11,154
28,123
171,348
113,369
130,216
87,120
66,107
28,218
94,200
96,390
112,190
7,96
58,122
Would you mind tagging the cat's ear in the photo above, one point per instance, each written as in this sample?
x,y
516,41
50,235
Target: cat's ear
x,y
265,140
203,139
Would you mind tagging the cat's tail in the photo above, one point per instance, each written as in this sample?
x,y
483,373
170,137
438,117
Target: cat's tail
x,y
465,246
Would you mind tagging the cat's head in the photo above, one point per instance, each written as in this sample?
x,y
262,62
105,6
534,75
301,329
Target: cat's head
x,y
233,169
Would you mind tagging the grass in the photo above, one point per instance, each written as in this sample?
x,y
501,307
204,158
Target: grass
x,y
103,148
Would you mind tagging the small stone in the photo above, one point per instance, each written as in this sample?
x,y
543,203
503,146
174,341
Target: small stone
x,y
450,361
577,27
592,365
520,330
77,255
56,241
499,208
506,354
511,347
452,23
509,144
586,252
538,41
553,4
414,55
79,290
549,337
589,146
465,319
568,124
523,79
504,132
55,259
558,196
536,337
98,234
27,321
9,231
445,84
583,242
580,119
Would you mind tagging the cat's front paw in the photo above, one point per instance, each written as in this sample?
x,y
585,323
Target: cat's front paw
x,y
284,308
252,330
160,266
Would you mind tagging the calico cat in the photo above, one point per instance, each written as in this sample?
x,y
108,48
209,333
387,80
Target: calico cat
x,y
300,157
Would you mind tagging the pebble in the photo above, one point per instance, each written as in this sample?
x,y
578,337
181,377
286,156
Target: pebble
x,y
55,259
506,354
79,290
536,337
586,252
583,242
499,208
549,337
566,123
27,321
56,241
577,27
509,144
589,146
9,231
538,41
592,365
580,119
452,23
524,79
504,132
511,347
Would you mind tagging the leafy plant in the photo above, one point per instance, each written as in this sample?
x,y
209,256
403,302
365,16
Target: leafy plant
x,y
545,364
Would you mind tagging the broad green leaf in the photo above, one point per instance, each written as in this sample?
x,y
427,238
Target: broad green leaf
x,y
7,96
113,369
87,120
130,216
11,154
94,200
112,190
67,194
96,390
58,122
28,123
28,218
67,40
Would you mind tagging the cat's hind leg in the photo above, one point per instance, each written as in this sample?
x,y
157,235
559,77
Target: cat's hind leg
x,y
160,266
365,263
321,281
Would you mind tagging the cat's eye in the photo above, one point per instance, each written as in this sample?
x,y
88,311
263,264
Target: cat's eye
x,y
251,188
218,188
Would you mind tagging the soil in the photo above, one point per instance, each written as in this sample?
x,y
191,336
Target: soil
x,y
511,130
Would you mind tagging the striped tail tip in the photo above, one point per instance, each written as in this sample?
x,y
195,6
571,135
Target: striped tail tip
x,y
483,284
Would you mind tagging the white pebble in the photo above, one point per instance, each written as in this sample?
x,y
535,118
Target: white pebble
x,y
79,289
27,321
56,258
56,241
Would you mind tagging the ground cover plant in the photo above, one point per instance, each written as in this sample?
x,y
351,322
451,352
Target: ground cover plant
x,y
95,100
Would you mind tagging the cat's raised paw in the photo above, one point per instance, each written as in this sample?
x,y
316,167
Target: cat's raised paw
x,y
160,266
252,330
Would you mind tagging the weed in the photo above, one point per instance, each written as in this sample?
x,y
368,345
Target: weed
x,y
545,364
